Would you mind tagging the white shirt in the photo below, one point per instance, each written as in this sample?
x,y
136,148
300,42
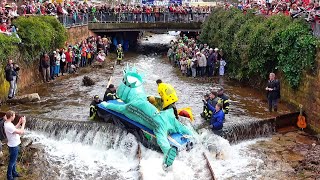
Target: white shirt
x,y
13,138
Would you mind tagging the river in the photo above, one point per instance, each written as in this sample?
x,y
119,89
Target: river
x,y
78,149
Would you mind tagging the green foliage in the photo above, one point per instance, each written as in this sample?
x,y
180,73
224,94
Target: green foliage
x,y
255,46
40,34
8,47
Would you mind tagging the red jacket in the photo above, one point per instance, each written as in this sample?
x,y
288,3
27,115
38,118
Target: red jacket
x,y
68,57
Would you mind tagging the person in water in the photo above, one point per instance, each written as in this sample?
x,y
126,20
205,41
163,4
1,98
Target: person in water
x,y
225,100
93,107
217,118
119,54
168,96
110,93
212,98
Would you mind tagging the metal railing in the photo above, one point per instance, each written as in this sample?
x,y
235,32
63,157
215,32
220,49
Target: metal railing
x,y
74,20
108,17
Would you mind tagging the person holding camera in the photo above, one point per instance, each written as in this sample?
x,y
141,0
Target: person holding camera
x,y
13,133
11,73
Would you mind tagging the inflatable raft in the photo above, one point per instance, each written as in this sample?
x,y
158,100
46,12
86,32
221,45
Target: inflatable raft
x,y
143,134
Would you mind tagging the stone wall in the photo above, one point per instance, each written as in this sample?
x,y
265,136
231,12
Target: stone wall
x,y
308,94
78,33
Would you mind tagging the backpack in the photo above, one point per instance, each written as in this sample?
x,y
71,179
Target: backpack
x,y
3,135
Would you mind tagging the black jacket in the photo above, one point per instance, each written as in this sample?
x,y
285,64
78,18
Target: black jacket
x,y
275,85
10,72
109,95
225,102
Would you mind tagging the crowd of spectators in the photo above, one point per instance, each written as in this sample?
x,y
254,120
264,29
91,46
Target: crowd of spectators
x,y
195,59
69,59
294,8
76,12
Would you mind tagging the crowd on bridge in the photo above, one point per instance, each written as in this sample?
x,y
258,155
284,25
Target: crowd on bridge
x,y
75,12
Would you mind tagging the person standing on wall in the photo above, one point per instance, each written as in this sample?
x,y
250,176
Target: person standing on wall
x,y
273,92
119,54
13,136
11,73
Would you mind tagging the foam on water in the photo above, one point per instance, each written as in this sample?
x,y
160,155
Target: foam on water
x,y
90,161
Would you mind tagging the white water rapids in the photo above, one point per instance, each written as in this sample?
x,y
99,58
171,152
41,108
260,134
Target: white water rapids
x,y
111,154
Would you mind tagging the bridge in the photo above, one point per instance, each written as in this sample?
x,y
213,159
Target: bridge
x,y
124,22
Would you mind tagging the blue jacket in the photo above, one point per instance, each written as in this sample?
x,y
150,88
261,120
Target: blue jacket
x,y
217,118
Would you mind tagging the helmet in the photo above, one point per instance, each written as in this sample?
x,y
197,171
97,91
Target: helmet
x,y
96,97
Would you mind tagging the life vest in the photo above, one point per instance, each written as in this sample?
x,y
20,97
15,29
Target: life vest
x,y
167,94
119,54
93,112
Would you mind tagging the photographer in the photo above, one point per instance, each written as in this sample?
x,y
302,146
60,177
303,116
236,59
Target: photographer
x,y
11,73
13,133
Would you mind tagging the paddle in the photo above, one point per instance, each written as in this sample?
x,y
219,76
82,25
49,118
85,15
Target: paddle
x,y
301,119
109,82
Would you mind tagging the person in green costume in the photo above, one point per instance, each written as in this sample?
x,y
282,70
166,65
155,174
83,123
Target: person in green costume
x,y
139,109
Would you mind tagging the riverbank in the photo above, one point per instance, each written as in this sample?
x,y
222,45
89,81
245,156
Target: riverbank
x,y
294,155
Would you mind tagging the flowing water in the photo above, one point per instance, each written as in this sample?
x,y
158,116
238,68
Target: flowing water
x,y
79,149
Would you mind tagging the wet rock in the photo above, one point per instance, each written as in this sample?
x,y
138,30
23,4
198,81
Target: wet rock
x,y
34,97
292,156
304,140
311,164
87,81
27,142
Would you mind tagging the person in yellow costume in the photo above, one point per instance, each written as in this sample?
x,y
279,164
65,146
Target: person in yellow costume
x,y
168,95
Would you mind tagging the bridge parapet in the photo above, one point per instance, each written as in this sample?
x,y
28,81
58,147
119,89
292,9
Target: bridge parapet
x,y
154,19
141,26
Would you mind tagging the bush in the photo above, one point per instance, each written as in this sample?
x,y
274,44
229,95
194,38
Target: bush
x,y
40,34
8,47
255,45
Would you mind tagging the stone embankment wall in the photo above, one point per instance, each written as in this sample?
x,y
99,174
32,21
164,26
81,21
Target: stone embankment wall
x,y
308,94
78,33
29,74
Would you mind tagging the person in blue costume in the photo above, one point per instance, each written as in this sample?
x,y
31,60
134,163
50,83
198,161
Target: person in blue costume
x,y
217,118
139,109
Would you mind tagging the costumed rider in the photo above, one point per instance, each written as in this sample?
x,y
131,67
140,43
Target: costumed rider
x,y
110,93
225,100
119,54
93,107
217,118
212,98
168,96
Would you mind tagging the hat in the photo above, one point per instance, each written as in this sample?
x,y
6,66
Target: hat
x,y
96,97
216,49
111,86
197,53
7,6
210,49
54,52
